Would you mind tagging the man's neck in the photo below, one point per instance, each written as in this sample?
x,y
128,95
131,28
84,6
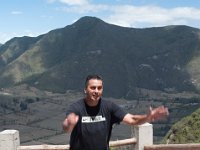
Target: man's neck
x,y
91,103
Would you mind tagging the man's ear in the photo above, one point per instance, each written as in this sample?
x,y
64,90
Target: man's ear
x,y
85,91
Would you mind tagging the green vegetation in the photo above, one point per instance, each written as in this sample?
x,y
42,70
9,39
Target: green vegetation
x,y
193,70
31,110
185,131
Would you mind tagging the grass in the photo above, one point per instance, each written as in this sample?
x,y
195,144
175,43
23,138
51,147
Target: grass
x,y
186,130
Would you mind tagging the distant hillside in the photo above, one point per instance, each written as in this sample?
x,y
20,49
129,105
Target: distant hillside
x,y
185,131
162,58
152,66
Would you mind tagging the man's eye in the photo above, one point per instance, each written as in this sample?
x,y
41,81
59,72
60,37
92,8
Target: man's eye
x,y
99,88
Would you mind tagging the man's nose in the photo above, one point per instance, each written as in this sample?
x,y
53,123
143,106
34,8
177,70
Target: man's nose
x,y
96,90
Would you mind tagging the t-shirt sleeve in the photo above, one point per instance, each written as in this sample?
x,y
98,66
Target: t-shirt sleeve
x,y
72,109
117,113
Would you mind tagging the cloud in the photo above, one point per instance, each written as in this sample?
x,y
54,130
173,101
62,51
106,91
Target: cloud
x,y
71,2
16,12
132,16
50,1
80,6
4,37
87,8
75,2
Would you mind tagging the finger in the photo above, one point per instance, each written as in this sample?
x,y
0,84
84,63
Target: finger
x,y
150,110
77,118
167,112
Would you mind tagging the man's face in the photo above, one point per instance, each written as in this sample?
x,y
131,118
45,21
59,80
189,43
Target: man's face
x,y
94,90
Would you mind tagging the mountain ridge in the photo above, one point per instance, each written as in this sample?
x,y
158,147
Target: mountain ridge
x,y
127,58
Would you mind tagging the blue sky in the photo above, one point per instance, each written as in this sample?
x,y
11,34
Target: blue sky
x,y
36,17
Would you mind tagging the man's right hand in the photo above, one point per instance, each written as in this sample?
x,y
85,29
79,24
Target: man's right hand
x,y
70,122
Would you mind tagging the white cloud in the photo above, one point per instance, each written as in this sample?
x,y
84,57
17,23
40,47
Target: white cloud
x,y
4,37
16,12
132,16
51,1
81,6
75,2
88,8
69,2
187,12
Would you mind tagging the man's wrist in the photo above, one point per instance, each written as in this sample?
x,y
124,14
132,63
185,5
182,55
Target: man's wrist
x,y
149,118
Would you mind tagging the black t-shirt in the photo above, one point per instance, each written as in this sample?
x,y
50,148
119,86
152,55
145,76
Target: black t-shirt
x,y
93,130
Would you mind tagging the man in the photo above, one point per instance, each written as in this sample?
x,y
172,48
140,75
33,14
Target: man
x,y
90,119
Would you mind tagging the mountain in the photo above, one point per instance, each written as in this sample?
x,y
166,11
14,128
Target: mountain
x,y
162,58
185,131
151,66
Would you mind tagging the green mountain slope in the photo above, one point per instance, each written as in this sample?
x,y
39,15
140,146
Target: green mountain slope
x,y
185,131
164,58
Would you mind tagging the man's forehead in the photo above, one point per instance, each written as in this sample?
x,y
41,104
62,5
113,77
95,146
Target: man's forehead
x,y
95,82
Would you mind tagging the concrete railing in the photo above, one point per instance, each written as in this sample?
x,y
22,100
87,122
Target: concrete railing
x,y
9,140
173,147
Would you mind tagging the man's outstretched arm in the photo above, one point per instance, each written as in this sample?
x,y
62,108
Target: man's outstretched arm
x,y
153,114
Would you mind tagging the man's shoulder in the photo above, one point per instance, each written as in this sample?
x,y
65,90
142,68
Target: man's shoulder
x,y
77,102
107,102
104,100
113,107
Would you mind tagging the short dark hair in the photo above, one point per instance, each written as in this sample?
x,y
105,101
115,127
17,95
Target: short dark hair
x,y
92,76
